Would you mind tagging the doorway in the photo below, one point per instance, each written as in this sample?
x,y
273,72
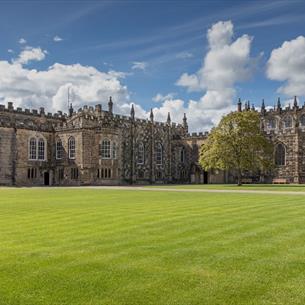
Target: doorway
x,y
46,178
205,177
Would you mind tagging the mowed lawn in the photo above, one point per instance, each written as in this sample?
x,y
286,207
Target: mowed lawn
x,y
100,247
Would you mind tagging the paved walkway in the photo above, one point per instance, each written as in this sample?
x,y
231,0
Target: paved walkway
x,y
164,189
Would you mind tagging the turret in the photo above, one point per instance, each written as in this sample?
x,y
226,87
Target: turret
x,y
239,105
132,112
185,126
168,119
279,106
110,105
295,103
263,107
70,110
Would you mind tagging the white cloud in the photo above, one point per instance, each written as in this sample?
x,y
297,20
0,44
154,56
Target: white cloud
x,y
161,98
139,65
287,64
184,55
48,88
57,38
22,41
10,51
30,54
227,62
190,82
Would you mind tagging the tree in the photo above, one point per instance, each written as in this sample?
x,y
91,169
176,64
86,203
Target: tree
x,y
237,144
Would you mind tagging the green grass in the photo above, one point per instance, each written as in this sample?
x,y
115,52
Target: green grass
x,y
252,187
100,247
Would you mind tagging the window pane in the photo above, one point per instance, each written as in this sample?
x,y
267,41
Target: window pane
x,y
32,148
71,146
41,149
105,149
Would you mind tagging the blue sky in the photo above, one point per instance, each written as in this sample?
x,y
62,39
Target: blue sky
x,y
149,44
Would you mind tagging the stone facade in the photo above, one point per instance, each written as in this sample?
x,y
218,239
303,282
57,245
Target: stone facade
x,y
286,128
96,147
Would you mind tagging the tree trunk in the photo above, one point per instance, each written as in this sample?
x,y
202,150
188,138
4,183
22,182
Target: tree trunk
x,y
239,178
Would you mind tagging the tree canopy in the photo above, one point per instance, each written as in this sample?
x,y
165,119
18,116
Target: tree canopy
x,y
237,144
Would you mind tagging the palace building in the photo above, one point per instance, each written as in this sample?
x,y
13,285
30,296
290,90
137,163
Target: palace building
x,y
94,146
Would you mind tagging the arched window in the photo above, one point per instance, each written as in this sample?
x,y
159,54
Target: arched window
x,y
141,152
182,155
105,149
280,155
59,150
288,122
71,147
114,150
159,154
302,120
32,149
41,149
272,124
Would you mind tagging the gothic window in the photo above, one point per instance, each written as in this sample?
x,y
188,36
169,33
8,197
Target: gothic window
x,y
59,150
41,149
141,152
159,154
114,150
272,124
182,155
32,149
302,120
71,147
288,122
105,149
280,155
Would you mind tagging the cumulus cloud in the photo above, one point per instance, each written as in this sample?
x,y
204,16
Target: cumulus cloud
x,y
10,51
48,88
161,98
139,65
287,64
227,62
22,41
57,38
30,54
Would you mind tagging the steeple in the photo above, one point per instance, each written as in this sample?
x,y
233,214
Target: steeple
x,y
168,119
253,108
110,105
295,103
239,105
248,107
132,112
151,115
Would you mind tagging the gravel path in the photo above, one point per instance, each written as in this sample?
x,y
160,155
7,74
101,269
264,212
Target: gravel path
x,y
164,189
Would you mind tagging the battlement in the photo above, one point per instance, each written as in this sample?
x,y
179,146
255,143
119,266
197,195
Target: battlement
x,y
32,112
197,135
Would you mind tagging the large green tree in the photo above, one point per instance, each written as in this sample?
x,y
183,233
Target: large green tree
x,y
237,144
